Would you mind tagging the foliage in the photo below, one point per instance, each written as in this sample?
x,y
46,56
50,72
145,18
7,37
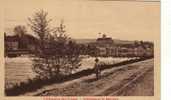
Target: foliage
x,y
59,54
39,24
20,30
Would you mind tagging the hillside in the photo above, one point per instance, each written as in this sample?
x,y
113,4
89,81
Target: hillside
x,y
116,41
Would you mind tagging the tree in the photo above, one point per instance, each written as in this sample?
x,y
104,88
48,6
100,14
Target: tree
x,y
58,56
39,24
21,32
73,57
66,51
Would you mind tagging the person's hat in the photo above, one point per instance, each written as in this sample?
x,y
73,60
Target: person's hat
x,y
96,60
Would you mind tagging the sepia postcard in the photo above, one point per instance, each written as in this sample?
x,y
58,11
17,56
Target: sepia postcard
x,y
80,50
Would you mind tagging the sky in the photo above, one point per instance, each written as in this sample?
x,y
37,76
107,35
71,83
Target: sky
x,y
126,20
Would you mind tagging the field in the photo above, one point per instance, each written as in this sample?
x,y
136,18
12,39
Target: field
x,y
19,69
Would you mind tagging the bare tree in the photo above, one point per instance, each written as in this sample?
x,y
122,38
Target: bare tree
x,y
39,24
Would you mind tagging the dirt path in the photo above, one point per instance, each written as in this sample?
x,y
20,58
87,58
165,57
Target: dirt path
x,y
112,80
143,86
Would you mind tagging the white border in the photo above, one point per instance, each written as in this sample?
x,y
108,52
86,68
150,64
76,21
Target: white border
x,y
166,49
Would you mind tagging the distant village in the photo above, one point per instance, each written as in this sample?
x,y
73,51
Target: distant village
x,y
105,46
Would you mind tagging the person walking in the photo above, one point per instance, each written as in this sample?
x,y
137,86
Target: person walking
x,y
97,68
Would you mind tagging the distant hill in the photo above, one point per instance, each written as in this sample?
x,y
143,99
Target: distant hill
x,y
116,41
84,41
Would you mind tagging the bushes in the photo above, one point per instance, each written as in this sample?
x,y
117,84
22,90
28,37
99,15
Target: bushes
x,y
60,62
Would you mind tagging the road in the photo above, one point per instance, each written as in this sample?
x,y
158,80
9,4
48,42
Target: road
x,y
124,80
143,86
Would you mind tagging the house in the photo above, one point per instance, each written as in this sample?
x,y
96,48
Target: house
x,y
11,43
105,45
104,41
18,45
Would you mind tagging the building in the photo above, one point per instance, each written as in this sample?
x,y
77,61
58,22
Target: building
x,y
11,43
17,45
104,41
107,47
